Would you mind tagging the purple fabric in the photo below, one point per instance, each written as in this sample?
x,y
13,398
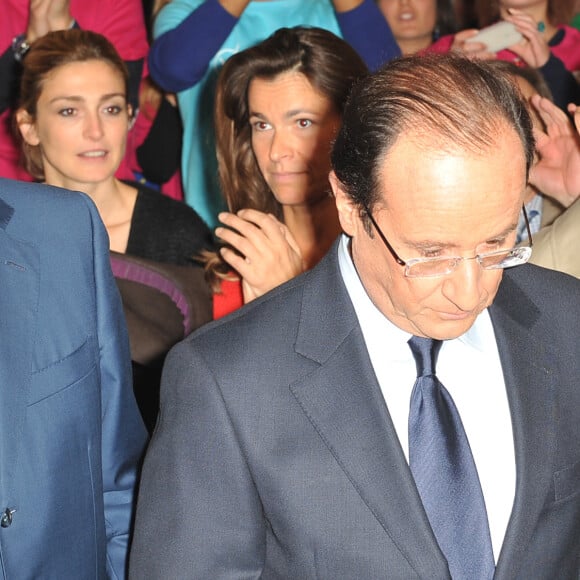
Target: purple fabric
x,y
143,275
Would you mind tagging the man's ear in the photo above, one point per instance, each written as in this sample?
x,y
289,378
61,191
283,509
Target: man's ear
x,y
348,213
27,128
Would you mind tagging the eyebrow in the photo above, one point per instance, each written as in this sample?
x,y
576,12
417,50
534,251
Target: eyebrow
x,y
288,114
79,98
437,244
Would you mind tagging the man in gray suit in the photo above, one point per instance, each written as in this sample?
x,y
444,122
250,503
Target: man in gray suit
x,y
291,440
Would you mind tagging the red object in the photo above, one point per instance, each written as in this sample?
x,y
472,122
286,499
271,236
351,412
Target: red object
x,y
230,298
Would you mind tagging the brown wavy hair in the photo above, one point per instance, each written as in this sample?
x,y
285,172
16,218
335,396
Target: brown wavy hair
x,y
329,63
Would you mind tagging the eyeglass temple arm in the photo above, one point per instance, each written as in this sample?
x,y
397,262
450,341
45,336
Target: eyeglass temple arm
x,y
383,238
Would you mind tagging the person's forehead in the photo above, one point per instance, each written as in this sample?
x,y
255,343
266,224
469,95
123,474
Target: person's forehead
x,y
424,142
422,172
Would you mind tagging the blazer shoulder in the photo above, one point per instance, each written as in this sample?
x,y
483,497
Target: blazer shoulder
x,y
55,210
535,280
27,195
310,315
539,297
279,308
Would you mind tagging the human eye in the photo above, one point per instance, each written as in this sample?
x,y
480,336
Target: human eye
x,y
431,253
493,245
113,110
304,123
67,112
260,125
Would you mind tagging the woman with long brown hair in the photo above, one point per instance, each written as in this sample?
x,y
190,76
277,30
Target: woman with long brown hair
x,y
278,108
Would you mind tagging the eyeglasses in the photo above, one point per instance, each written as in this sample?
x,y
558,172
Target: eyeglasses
x,y
433,267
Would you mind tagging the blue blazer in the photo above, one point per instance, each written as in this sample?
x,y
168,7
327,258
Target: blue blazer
x,y
275,456
70,432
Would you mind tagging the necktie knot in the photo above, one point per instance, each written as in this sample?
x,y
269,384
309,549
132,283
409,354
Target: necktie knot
x,y
425,351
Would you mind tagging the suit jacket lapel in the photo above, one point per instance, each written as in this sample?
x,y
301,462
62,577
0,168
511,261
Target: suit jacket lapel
x,y
19,280
344,402
529,372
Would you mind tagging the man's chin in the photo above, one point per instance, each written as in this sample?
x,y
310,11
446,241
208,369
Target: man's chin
x,y
448,327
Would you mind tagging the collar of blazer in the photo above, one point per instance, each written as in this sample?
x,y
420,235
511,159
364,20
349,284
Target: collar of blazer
x,y
6,213
343,401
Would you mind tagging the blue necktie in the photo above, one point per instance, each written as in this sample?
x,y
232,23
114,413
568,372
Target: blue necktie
x,y
445,474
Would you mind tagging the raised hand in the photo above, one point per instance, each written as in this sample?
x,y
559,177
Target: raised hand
x,y
533,49
266,253
557,171
46,16
471,49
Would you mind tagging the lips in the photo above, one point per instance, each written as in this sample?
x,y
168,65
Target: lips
x,y
98,153
456,315
286,175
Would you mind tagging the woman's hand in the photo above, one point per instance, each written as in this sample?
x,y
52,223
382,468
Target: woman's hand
x,y
533,49
557,172
471,49
46,16
268,254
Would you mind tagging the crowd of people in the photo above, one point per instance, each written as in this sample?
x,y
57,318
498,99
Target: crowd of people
x,y
328,180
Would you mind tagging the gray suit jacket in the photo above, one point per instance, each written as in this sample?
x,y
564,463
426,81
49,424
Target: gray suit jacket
x,y
275,455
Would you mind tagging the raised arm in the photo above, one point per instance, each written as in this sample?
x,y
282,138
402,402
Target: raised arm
x,y
44,16
365,28
535,51
186,40
8,79
557,172
47,15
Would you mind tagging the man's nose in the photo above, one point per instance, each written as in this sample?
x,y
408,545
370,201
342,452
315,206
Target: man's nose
x,y
464,287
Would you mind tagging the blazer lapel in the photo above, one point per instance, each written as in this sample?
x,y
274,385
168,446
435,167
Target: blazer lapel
x,y
344,402
19,280
529,372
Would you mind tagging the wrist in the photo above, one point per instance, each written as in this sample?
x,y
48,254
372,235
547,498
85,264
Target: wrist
x,y
20,46
33,33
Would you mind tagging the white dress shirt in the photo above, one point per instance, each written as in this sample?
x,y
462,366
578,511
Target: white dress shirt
x,y
470,369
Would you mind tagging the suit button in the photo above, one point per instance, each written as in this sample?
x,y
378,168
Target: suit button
x,y
6,519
